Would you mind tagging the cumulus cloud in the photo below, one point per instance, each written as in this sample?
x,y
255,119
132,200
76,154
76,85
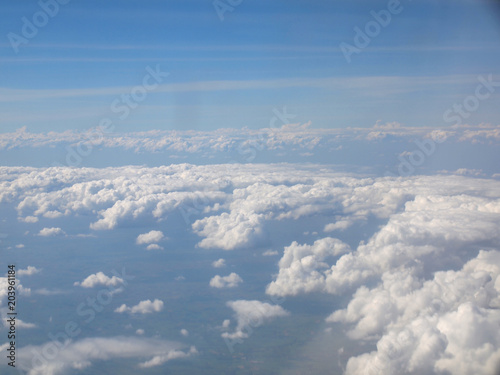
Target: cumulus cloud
x,y
150,237
143,307
230,281
302,267
99,278
30,270
184,332
229,231
48,232
219,263
448,324
78,355
226,205
432,223
251,314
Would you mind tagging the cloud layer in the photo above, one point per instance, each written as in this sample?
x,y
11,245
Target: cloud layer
x,y
430,263
78,355
246,141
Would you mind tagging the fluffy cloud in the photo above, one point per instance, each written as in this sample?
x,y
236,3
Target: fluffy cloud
x,y
251,314
78,355
28,271
448,324
302,267
47,232
230,281
143,307
99,278
219,263
428,229
227,205
150,237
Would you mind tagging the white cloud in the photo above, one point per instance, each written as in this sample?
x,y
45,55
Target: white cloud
x,y
230,281
78,355
143,307
150,237
99,278
184,332
219,263
22,324
30,219
47,232
227,205
340,224
140,331
251,314
229,231
28,271
303,268
433,222
448,324
154,246
20,246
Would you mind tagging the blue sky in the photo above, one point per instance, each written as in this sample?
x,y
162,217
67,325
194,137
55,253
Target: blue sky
x,y
270,54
